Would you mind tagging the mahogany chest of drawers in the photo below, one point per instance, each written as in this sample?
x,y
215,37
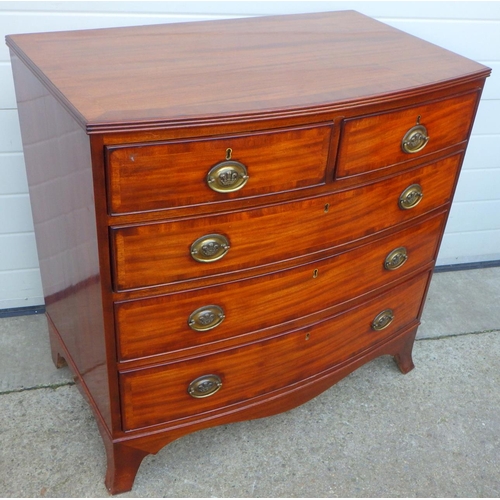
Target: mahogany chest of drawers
x,y
231,216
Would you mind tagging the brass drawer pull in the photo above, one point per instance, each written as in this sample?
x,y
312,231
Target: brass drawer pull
x,y
396,259
383,319
204,386
227,177
415,139
206,317
210,248
410,197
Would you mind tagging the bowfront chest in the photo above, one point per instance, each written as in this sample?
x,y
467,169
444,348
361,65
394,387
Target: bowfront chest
x,y
231,216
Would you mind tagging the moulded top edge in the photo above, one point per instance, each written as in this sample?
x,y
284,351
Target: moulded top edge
x,y
178,74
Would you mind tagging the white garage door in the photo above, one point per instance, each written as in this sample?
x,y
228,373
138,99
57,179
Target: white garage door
x,y
468,28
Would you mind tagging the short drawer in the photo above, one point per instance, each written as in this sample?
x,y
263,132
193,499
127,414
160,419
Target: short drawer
x,y
177,321
160,394
168,252
192,172
375,142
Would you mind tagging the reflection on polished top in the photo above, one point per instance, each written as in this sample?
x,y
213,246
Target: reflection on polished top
x,y
272,66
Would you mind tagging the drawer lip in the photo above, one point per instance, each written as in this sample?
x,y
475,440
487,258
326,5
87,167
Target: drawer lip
x,y
366,340
344,171
242,322
179,167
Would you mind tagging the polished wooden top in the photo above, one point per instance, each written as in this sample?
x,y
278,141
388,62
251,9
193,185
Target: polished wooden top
x,y
164,75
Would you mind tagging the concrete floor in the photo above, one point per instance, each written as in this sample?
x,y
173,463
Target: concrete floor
x,y
432,433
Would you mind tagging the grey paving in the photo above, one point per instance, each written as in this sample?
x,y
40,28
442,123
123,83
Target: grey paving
x,y
25,360
462,302
434,432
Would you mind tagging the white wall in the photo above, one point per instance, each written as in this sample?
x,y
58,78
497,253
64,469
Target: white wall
x,y
468,28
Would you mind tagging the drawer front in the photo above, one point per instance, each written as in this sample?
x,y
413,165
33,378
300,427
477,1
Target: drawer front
x,y
374,142
155,395
161,324
153,177
158,253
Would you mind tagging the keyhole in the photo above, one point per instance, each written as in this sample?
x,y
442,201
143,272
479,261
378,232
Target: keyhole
x,y
315,273
418,119
327,207
308,336
229,152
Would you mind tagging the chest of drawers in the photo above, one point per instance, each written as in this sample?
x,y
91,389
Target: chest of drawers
x,y
231,216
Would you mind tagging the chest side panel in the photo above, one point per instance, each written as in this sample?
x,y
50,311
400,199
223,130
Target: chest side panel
x,y
58,163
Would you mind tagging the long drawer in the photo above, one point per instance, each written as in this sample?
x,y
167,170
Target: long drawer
x,y
167,252
160,394
192,172
177,321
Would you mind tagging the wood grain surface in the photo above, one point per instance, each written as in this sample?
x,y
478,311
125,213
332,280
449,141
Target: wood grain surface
x,y
374,142
155,176
160,324
160,394
122,78
116,213
153,254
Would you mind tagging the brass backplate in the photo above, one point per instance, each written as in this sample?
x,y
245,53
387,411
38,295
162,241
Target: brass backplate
x,y
206,317
204,386
227,176
396,258
415,139
383,319
210,248
410,197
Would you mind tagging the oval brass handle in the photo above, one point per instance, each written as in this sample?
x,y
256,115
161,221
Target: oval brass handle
x,y
227,177
415,139
206,317
410,197
396,258
204,386
383,319
210,248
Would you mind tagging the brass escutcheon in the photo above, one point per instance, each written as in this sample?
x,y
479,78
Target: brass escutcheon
x,y
227,176
396,259
415,139
410,197
210,248
383,319
204,386
206,317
